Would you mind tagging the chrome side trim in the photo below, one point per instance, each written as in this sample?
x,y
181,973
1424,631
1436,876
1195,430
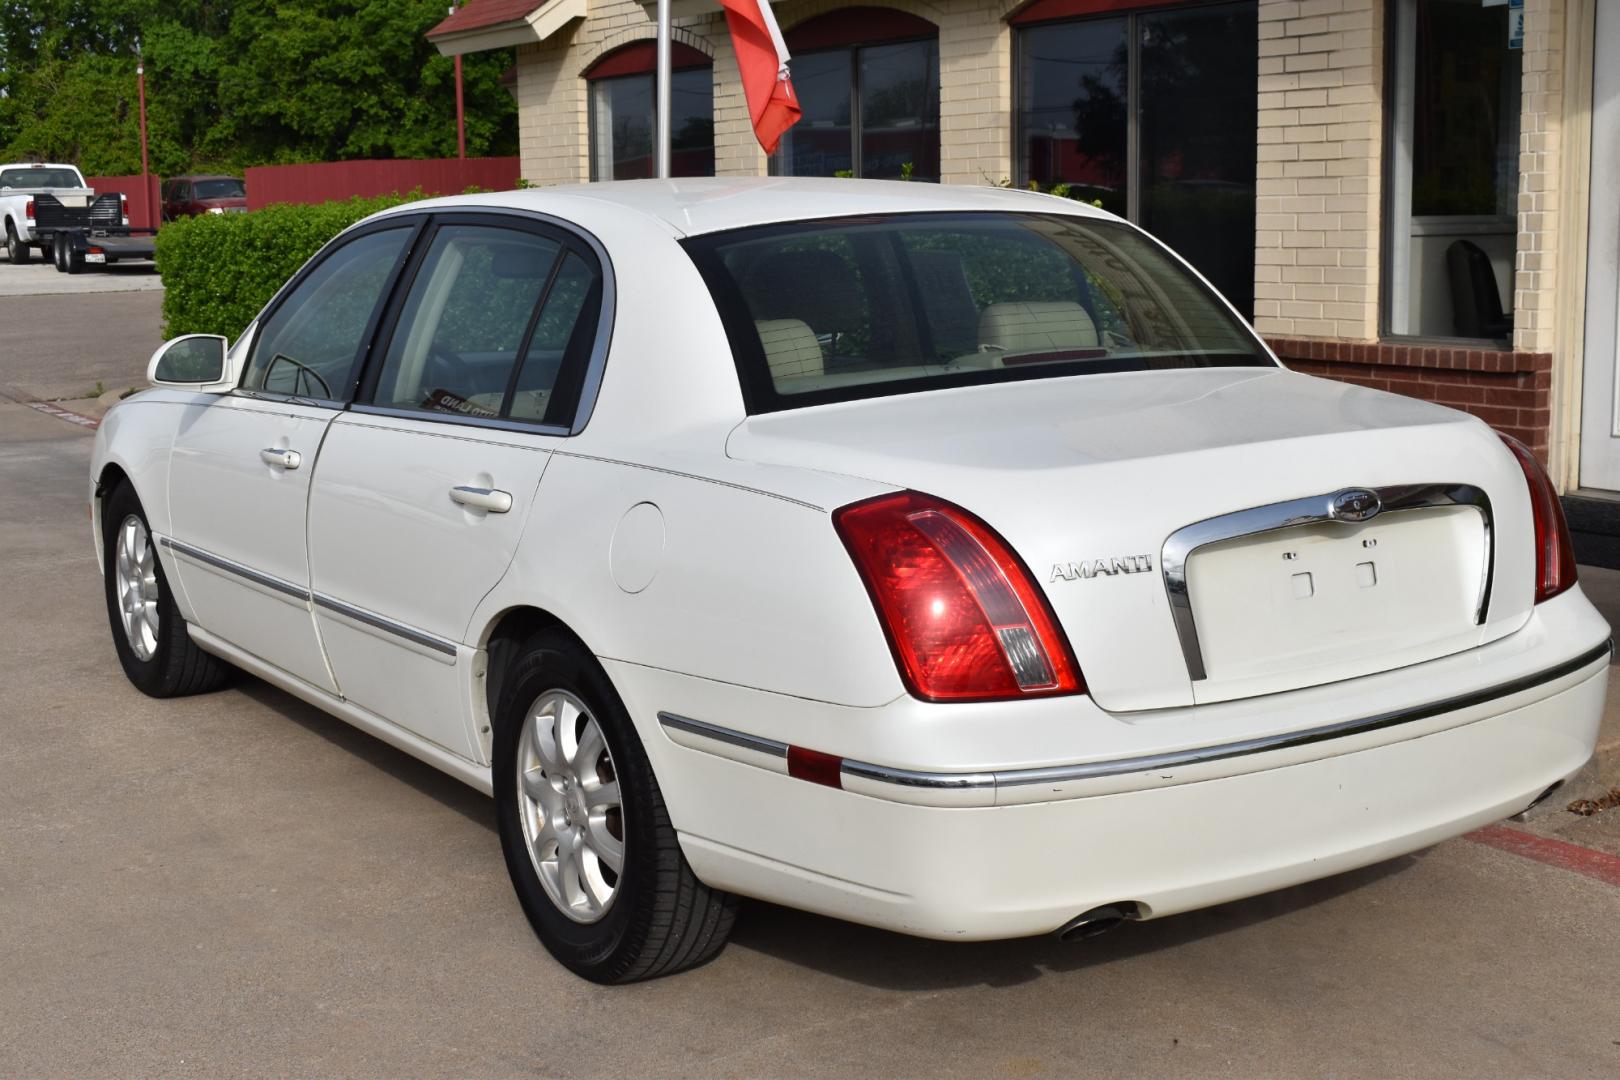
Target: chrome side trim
x,y
230,566
382,622
980,788
1313,509
725,735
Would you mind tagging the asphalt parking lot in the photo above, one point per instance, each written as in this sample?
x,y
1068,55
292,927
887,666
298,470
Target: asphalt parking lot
x,y
237,884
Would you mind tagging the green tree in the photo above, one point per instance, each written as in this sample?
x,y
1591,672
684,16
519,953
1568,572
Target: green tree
x,y
234,83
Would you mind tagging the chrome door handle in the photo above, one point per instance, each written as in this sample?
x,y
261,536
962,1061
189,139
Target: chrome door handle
x,y
280,459
496,502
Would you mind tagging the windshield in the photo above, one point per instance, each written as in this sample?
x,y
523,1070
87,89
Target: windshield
x,y
226,188
840,309
39,178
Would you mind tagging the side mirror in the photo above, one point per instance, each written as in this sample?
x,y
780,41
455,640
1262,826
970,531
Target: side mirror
x,y
192,362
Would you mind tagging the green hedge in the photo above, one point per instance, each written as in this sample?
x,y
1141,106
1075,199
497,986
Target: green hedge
x,y
220,269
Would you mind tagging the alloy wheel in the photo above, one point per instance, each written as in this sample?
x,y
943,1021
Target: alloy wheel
x,y
135,576
569,806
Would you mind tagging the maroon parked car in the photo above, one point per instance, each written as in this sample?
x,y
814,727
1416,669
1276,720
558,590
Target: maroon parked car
x,y
184,196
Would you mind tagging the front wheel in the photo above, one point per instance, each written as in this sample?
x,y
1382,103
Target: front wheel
x,y
17,251
154,647
587,839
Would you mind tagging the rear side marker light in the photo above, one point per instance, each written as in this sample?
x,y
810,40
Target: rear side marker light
x,y
962,614
815,766
1555,553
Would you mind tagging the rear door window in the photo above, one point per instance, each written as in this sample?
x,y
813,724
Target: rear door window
x,y
494,326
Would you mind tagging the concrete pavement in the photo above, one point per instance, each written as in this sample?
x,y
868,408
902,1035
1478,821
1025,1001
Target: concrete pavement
x,y
42,277
237,884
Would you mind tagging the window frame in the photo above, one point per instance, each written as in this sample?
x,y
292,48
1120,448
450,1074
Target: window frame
x,y
779,161
414,223
605,69
586,370
1397,221
759,392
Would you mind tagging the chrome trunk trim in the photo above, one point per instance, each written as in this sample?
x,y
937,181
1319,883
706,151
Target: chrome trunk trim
x,y
1313,509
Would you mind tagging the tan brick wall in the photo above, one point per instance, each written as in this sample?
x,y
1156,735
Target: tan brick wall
x,y
1318,187
1541,120
975,50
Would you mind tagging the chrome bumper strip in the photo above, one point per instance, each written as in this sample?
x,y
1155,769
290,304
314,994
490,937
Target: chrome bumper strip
x,y
979,788
230,566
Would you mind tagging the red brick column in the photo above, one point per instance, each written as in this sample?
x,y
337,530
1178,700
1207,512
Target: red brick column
x,y
1511,391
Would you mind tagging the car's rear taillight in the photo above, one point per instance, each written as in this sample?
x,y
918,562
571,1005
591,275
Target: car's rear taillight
x,y
1555,554
962,614
123,208
28,209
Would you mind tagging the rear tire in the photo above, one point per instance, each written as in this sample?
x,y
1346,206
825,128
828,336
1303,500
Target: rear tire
x,y
17,251
651,916
59,253
154,647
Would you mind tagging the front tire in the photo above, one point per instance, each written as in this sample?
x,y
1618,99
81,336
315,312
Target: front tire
x,y
588,843
154,647
17,251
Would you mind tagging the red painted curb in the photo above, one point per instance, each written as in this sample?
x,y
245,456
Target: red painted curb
x,y
64,414
1598,865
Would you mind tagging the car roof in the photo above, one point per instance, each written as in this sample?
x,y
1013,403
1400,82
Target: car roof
x,y
205,176
697,205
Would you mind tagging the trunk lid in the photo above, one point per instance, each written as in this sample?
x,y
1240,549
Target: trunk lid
x,y
1183,523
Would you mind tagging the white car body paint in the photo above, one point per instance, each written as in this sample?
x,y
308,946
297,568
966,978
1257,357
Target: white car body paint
x,y
739,625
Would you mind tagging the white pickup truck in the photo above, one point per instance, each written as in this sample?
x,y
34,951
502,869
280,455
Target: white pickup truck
x,y
20,184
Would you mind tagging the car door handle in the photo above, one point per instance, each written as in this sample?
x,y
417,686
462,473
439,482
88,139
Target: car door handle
x,y
280,458
496,502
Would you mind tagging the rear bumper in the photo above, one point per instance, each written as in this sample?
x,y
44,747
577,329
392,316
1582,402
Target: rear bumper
x,y
1170,838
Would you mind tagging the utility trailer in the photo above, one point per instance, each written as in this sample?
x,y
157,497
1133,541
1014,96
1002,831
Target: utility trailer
x,y
96,233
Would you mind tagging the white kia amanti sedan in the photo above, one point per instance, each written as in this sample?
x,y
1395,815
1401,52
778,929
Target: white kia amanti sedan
x,y
945,559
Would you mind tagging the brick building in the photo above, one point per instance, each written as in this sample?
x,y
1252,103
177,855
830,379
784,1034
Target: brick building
x,y
1416,195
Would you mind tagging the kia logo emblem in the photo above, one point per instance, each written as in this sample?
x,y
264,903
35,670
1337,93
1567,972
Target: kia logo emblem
x,y
1355,504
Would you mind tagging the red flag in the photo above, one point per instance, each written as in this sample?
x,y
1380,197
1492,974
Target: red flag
x,y
762,59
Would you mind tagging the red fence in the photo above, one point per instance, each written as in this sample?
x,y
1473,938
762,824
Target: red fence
x,y
267,184
143,213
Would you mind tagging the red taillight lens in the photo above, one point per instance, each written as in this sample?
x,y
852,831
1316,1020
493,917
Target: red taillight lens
x,y
964,619
28,209
1555,554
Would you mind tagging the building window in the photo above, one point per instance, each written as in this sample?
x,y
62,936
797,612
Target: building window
x,y
1453,170
1152,114
622,122
868,82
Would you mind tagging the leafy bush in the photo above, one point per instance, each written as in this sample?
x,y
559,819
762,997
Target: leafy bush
x,y
220,269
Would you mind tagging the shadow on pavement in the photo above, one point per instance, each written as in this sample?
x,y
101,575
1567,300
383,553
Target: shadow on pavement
x,y
438,786
890,961
877,958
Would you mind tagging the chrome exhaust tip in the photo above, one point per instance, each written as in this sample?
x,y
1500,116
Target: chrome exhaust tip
x,y
1537,801
1098,921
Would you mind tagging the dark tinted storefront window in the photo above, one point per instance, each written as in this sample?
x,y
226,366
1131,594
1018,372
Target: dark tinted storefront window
x,y
871,106
1453,180
622,123
1152,115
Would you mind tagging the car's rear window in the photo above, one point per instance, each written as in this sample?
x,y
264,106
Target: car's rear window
x,y
219,189
39,178
846,308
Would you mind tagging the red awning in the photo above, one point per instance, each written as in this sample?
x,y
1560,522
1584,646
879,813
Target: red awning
x,y
481,14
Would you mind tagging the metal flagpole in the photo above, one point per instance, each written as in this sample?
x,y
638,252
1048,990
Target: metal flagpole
x,y
661,124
